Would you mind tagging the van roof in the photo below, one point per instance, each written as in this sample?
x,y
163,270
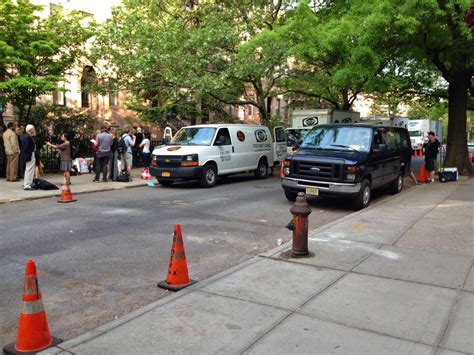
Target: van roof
x,y
218,125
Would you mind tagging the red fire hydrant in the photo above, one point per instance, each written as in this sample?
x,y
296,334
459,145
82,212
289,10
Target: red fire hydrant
x,y
299,226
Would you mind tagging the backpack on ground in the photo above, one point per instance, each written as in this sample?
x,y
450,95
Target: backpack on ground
x,y
123,177
122,145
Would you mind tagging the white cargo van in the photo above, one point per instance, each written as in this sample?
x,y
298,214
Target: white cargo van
x,y
204,152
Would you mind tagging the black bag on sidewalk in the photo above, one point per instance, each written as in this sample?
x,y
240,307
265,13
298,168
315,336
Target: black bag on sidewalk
x,y
123,177
40,184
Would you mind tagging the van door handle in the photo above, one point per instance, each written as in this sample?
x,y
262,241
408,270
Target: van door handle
x,y
233,149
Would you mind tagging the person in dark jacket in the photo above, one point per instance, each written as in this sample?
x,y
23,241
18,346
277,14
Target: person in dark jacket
x,y
28,149
431,153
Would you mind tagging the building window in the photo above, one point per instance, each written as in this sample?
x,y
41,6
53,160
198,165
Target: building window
x,y
87,80
250,110
59,98
278,109
113,98
228,109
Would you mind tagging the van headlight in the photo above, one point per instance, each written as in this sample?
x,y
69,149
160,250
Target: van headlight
x,y
190,160
350,176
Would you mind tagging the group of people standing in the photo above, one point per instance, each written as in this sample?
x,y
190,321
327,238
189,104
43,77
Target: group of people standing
x,y
22,152
109,148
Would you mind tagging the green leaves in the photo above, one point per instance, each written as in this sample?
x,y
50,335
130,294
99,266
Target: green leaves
x,y
36,52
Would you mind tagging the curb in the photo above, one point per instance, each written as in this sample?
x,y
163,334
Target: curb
x,y
32,198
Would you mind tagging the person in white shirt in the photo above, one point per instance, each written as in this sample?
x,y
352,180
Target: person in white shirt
x,y
145,146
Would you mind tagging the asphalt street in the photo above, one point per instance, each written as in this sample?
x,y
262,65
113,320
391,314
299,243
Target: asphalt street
x,y
101,257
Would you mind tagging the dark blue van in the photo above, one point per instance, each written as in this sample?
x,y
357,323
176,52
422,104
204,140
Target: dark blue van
x,y
348,161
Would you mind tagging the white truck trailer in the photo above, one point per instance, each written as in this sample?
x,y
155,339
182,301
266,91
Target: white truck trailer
x,y
418,131
309,118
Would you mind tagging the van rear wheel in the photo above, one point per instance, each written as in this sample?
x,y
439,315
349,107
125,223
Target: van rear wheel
x,y
396,185
262,169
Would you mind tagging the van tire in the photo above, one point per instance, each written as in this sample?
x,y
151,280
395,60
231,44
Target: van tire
x,y
209,176
362,199
165,182
290,196
396,185
262,169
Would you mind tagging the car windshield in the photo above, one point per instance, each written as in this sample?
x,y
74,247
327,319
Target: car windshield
x,y
294,135
339,138
194,136
415,133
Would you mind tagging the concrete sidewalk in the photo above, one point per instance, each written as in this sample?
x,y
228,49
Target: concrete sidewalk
x,y
13,191
396,278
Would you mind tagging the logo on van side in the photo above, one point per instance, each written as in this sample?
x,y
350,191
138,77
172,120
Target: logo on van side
x,y
240,136
310,121
260,135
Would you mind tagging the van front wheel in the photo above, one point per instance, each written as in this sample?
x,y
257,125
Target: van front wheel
x,y
262,169
363,198
209,176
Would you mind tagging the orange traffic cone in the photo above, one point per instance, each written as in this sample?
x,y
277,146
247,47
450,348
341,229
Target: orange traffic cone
x,y
67,178
281,172
66,194
422,174
33,331
415,152
177,277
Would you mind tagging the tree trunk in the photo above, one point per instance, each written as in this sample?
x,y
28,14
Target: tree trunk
x,y
262,109
457,154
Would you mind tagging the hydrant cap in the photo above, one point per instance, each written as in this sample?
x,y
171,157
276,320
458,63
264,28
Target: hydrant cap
x,y
301,206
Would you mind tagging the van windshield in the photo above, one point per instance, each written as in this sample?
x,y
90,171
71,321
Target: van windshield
x,y
339,138
294,135
194,136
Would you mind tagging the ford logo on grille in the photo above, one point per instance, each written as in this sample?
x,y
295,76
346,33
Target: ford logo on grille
x,y
167,161
316,170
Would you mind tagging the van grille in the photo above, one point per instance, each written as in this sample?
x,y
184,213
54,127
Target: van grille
x,y
166,161
321,171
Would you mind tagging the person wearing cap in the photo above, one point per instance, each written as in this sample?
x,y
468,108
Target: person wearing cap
x,y
431,153
28,148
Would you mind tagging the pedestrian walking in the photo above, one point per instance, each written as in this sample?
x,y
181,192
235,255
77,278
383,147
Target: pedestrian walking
x,y
64,152
104,142
27,154
113,164
145,147
126,143
431,153
12,151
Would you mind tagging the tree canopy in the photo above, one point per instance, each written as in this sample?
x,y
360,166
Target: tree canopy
x,y
36,51
190,58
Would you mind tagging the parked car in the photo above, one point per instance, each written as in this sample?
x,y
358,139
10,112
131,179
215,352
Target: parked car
x,y
348,161
204,152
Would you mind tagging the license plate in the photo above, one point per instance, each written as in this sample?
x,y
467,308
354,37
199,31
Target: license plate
x,y
166,174
312,191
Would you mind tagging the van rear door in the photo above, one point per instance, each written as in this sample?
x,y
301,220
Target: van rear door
x,y
279,144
